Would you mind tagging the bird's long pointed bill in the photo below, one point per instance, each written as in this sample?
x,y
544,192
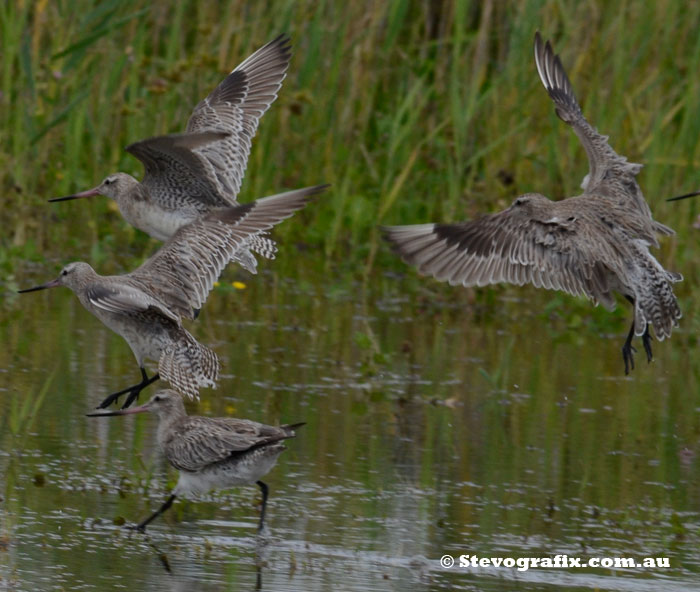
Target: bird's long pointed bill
x,y
140,409
89,193
51,284
687,195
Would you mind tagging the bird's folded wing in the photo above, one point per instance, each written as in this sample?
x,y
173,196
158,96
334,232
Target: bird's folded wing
x,y
125,299
201,441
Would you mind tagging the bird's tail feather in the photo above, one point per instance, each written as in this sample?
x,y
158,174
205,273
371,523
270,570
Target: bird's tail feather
x,y
188,366
655,301
263,245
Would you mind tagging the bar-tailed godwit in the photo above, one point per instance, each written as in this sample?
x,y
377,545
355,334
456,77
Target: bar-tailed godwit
x,y
593,244
212,452
187,175
147,305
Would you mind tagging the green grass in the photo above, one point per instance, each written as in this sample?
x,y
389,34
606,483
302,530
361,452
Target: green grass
x,y
24,408
413,111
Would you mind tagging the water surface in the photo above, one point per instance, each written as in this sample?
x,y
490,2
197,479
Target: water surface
x,y
439,421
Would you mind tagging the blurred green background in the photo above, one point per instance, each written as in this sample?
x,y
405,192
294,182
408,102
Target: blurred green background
x,y
413,111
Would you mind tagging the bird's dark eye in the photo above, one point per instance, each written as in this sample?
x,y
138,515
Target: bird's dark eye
x,y
156,398
108,181
64,272
520,201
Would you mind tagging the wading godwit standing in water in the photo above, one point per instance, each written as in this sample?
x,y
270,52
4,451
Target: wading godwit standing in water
x,y
593,244
212,452
146,306
187,175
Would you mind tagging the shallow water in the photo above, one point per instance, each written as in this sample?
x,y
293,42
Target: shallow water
x,y
439,421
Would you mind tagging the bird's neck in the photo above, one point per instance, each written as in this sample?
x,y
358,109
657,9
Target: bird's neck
x,y
140,192
168,427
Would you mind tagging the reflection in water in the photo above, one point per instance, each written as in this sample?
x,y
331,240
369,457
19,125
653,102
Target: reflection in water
x,y
162,557
433,427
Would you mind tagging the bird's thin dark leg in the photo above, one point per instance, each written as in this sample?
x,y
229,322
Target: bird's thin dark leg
x,y
141,526
132,390
628,351
264,489
646,340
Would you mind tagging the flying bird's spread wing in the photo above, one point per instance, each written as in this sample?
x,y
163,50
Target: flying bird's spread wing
x,y
184,270
203,168
610,175
236,106
504,247
176,176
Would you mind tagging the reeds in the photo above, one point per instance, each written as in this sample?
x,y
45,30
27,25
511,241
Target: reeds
x,y
413,111
24,407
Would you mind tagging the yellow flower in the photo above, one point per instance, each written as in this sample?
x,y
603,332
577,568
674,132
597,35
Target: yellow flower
x,y
238,285
217,284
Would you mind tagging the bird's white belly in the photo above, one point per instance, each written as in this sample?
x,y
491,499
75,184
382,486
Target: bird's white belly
x,y
223,476
145,341
155,221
